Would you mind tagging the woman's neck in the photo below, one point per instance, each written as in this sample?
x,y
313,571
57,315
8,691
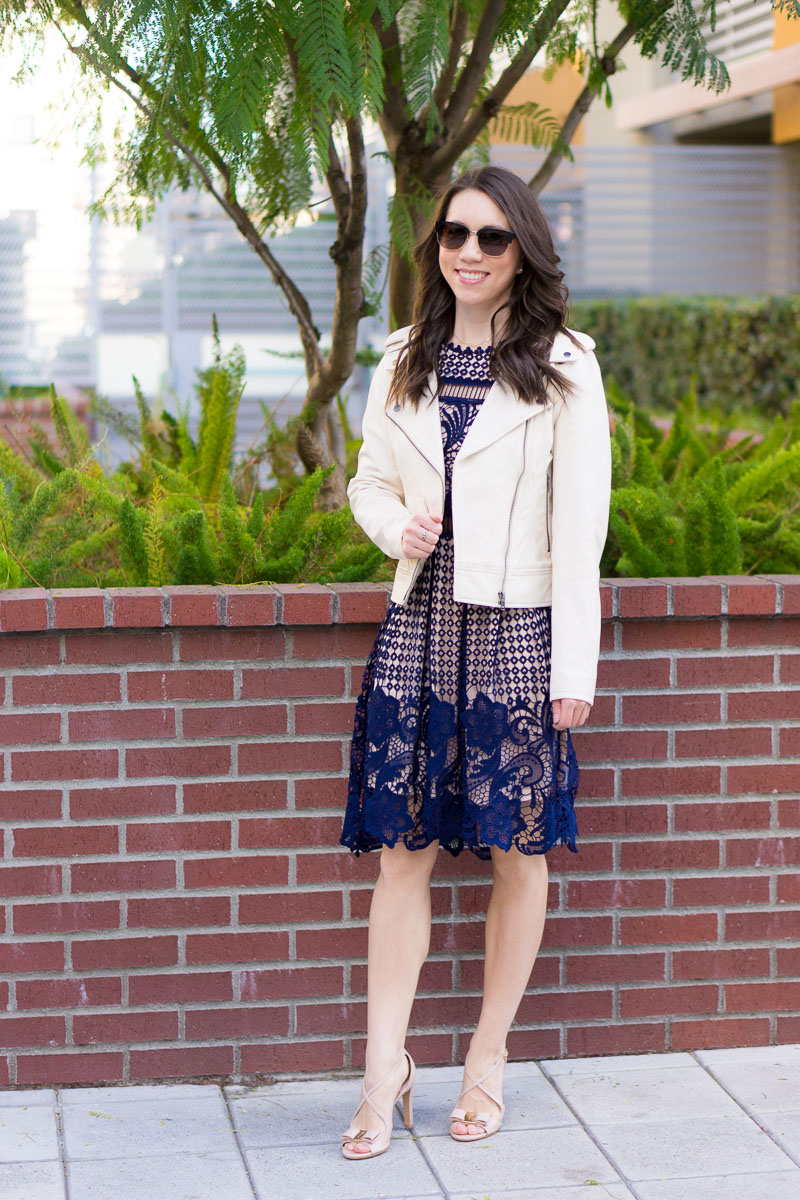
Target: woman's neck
x,y
472,328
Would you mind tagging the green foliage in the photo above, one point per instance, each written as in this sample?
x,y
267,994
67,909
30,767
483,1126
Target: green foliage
x,y
696,501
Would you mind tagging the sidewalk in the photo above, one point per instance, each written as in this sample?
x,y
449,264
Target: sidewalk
x,y
710,1125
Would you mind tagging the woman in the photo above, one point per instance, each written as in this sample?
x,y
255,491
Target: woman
x,y
485,470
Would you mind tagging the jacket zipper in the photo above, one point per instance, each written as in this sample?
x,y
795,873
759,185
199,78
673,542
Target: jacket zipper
x,y
547,509
501,595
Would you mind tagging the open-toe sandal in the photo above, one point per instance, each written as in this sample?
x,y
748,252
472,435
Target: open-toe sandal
x,y
489,1122
378,1139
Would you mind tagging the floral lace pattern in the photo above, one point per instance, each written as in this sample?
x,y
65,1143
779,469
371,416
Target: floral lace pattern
x,y
452,735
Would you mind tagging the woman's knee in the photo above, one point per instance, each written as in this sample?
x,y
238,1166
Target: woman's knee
x,y
401,865
519,869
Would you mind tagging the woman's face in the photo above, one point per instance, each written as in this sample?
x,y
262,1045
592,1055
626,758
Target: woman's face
x,y
479,281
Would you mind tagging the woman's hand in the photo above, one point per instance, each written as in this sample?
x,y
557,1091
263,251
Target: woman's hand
x,y
569,713
413,543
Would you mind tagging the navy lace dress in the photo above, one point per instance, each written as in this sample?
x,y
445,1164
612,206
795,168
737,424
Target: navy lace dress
x,y
453,736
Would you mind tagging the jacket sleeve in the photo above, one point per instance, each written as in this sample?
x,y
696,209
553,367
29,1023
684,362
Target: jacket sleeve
x,y
376,492
581,499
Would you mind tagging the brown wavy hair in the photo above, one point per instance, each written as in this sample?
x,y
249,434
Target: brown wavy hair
x,y
537,305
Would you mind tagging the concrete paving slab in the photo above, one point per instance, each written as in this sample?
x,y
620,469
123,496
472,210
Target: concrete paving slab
x,y
690,1148
320,1171
785,1128
27,1096
533,1157
28,1133
641,1095
763,1078
618,1062
32,1181
180,1177
137,1092
601,1191
150,1128
531,1103
284,1118
780,1185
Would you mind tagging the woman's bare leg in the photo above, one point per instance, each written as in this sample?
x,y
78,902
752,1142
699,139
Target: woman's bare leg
x,y
399,938
514,925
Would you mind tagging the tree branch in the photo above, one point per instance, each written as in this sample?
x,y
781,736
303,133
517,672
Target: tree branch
x,y
458,31
393,118
470,79
463,138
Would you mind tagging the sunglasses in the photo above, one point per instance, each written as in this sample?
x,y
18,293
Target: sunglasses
x,y
451,235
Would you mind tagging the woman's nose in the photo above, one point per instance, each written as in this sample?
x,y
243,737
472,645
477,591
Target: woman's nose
x,y
471,249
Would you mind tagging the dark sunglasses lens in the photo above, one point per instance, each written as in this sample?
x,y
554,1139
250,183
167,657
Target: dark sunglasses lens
x,y
452,235
494,241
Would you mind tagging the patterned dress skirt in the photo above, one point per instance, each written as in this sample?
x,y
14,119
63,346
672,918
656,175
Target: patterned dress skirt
x,y
453,738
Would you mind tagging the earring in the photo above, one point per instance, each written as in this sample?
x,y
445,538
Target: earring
x,y
519,270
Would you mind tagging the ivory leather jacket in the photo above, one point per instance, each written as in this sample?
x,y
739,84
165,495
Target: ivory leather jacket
x,y
531,488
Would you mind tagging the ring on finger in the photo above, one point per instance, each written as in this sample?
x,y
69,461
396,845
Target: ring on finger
x,y
424,535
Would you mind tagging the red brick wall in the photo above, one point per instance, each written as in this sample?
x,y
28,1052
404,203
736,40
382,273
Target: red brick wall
x,y
176,904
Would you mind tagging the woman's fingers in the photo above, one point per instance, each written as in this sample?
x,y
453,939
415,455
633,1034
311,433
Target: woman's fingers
x,y
567,714
415,545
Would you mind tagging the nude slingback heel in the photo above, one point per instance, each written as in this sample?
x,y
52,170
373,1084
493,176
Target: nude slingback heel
x,y
378,1139
490,1122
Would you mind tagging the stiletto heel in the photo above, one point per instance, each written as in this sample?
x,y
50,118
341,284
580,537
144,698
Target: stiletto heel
x,y
378,1139
490,1122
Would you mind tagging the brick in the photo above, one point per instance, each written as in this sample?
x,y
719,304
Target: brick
x,y
663,855
180,911
712,891
719,964
723,743
622,819
30,804
280,983
593,1005
19,958
640,1037
53,841
22,728
236,947
616,893
305,603
288,831
39,1070
230,1022
110,802
670,781
112,1028
126,875
641,598
232,871
360,603
269,683
333,1018
615,968
619,673
789,742
672,708
281,908
79,608
66,916
788,960
668,1001
181,835
234,795
448,1011
762,926
136,608
115,725
789,814
92,687
789,890
724,670
95,954
334,641
592,856
696,598
597,783
529,1044
748,596
719,1033
722,815
69,993
768,851
758,705
64,764
763,778
606,600
119,647
167,761
231,645
545,974
280,757
671,635
30,881
236,720
756,631
320,793
790,587
22,609
180,987
253,605
32,1031
602,713
577,931
666,928
181,1063
620,744
789,668
324,718
180,684
322,1055
193,605
336,867
28,651
336,942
